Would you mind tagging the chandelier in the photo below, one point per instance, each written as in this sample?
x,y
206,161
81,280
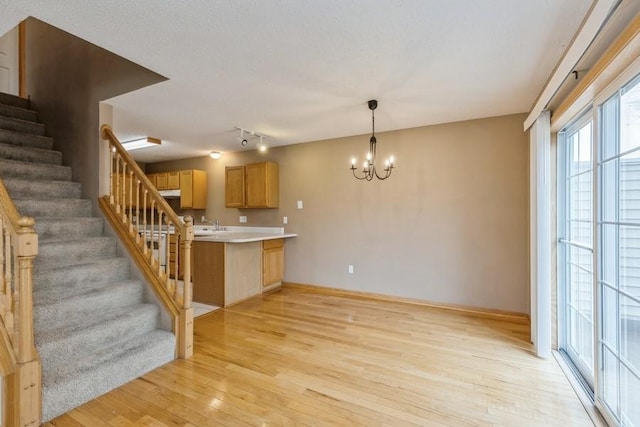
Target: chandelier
x,y
369,167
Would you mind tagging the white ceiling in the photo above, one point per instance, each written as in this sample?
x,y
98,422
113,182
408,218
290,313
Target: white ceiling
x,y
303,70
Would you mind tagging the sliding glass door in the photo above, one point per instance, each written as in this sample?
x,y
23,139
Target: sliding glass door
x,y
599,275
576,247
619,256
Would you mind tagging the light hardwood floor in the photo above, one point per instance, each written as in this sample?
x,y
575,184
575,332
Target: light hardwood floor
x,y
303,358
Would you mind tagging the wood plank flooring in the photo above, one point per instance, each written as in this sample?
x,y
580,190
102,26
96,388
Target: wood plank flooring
x,y
303,358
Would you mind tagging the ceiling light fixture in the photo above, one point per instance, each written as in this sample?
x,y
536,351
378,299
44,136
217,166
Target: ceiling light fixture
x,y
215,155
136,144
369,167
243,140
261,145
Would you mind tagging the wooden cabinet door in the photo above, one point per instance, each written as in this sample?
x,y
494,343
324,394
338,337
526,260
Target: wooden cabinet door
x,y
173,180
162,181
199,190
262,185
208,273
234,187
272,261
153,178
186,189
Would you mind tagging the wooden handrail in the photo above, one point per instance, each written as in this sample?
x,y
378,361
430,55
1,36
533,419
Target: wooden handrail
x,y
107,133
21,365
146,223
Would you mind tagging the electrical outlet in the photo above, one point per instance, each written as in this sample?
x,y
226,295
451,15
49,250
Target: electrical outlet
x,y
300,204
203,218
243,219
285,220
350,269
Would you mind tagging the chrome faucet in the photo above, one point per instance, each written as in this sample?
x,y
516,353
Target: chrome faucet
x,y
215,223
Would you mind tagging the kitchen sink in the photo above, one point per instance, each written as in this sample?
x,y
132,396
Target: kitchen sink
x,y
210,232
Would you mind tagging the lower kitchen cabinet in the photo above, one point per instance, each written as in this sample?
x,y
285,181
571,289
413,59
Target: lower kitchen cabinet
x,y
226,273
272,262
208,273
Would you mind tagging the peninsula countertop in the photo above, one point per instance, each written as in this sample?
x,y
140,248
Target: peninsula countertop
x,y
233,234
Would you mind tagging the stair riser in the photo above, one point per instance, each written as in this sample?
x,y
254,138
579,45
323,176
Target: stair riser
x,y
25,140
35,171
73,311
94,338
54,208
28,154
61,254
79,278
25,189
63,393
69,229
14,100
22,126
18,113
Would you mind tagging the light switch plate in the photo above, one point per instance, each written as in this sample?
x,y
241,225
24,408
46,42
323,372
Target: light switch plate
x,y
243,219
300,204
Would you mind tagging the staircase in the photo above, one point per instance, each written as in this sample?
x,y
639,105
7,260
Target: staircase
x,y
93,330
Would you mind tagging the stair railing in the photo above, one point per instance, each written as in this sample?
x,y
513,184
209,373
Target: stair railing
x,y
148,226
19,361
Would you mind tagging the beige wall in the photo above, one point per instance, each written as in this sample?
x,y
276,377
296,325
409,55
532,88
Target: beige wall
x,y
67,77
450,225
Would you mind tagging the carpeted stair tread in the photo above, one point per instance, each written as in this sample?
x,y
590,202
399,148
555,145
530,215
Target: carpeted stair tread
x,y
43,208
64,253
26,140
22,188
18,113
61,282
62,301
54,228
35,171
70,385
59,346
30,154
76,311
19,125
14,100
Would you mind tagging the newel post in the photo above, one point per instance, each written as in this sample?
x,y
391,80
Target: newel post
x,y
185,333
25,386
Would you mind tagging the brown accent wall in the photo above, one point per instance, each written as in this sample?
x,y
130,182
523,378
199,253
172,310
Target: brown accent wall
x,y
450,225
66,79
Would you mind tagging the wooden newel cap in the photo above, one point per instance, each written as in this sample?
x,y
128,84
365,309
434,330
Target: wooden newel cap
x,y
26,222
188,220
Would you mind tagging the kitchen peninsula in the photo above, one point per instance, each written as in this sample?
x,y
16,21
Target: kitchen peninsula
x,y
237,263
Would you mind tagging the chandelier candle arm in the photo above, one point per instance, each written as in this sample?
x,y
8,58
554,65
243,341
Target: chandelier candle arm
x,y
369,170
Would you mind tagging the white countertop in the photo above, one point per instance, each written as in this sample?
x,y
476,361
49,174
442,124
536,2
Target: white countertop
x,y
233,234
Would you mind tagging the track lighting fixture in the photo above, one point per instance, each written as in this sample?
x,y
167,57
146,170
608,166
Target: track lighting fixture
x,y
261,145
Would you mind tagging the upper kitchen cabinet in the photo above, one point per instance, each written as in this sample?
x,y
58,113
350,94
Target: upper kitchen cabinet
x,y
234,186
255,185
193,189
173,180
153,179
162,181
